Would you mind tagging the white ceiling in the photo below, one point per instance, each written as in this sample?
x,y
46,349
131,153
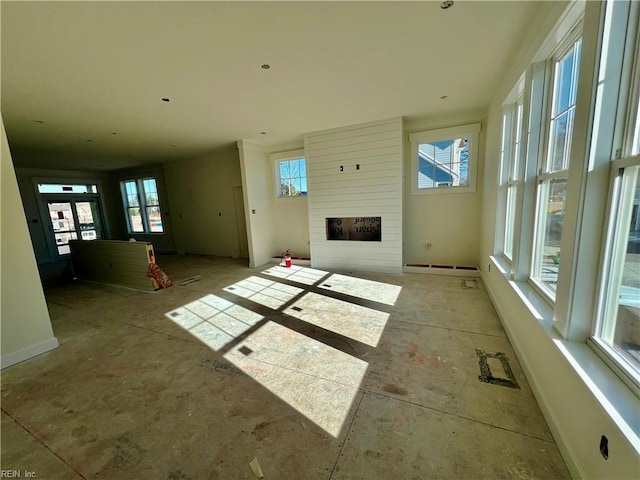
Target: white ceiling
x,y
82,82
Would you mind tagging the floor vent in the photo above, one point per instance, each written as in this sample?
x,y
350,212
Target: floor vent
x,y
495,369
473,283
189,280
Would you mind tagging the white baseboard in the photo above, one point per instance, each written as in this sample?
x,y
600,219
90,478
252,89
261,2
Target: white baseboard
x,y
294,261
451,270
554,426
26,353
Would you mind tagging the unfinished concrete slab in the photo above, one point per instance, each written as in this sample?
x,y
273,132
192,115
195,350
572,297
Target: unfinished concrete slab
x,y
391,439
197,381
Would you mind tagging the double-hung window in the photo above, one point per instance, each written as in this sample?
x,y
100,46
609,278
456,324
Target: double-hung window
x,y
511,153
616,332
553,170
142,205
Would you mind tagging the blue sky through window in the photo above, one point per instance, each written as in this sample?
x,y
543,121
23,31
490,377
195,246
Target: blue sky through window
x,y
293,177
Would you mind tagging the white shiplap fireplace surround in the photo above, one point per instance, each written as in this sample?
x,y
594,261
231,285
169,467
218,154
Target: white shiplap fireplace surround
x,y
356,171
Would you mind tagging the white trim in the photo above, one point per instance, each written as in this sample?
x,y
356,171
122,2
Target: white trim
x,y
565,27
617,401
278,157
453,271
294,261
29,352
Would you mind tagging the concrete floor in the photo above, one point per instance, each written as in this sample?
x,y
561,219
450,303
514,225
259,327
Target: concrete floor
x,y
316,375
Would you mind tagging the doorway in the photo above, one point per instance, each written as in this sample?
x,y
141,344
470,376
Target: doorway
x,y
73,218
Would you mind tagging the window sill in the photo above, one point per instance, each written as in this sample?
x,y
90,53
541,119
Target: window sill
x,y
612,394
295,198
443,190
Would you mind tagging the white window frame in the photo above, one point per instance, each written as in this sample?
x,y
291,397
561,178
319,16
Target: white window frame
x,y
621,46
612,264
546,173
512,155
276,159
471,132
142,204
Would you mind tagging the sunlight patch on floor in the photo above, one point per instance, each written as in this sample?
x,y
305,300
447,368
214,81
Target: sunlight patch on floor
x,y
359,287
317,380
348,319
304,275
265,292
214,320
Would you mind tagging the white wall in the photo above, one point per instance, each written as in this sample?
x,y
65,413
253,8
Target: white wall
x,y
257,187
200,192
25,326
279,223
373,190
449,222
578,408
291,227
290,215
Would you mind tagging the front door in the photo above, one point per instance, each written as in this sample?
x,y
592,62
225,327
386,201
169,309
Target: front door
x,y
72,219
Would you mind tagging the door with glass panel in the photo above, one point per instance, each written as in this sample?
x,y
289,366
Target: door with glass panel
x,y
73,219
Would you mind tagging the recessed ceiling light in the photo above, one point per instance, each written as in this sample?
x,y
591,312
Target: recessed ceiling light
x,y
165,99
265,66
446,4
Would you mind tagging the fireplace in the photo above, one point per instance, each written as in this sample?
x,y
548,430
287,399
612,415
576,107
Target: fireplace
x,y
360,229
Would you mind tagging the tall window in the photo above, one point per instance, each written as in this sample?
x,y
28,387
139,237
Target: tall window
x,y
290,174
142,205
511,165
617,324
553,173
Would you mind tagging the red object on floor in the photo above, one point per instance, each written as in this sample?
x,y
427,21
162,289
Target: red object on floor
x,y
158,276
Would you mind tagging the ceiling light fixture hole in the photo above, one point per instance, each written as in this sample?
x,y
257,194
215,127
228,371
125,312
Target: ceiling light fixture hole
x,y
263,133
446,4
444,96
265,66
165,99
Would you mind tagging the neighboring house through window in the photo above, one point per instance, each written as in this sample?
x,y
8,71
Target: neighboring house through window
x,y
444,159
73,211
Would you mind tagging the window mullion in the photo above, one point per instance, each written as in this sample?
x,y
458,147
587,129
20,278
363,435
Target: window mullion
x,y
142,200
534,147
